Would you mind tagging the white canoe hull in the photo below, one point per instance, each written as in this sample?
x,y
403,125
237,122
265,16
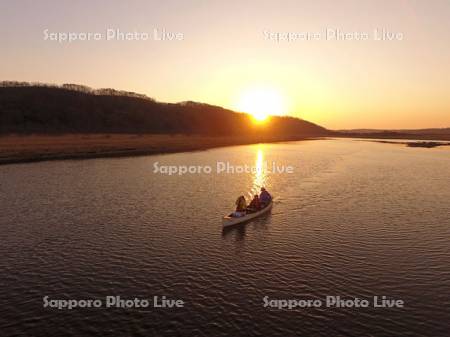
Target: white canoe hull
x,y
228,221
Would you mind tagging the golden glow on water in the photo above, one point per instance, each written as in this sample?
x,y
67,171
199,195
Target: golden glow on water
x,y
260,174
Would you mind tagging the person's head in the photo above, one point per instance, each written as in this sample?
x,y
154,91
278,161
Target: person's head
x,y
256,196
262,189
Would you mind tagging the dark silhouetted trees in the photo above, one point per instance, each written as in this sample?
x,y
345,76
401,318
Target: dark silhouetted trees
x,y
72,108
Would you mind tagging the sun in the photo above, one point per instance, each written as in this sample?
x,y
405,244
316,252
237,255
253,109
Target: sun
x,y
261,103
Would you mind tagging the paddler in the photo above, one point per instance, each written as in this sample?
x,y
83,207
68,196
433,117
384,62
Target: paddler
x,y
241,205
264,198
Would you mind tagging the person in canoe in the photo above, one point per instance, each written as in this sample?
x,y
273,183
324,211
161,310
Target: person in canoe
x,y
255,204
264,198
241,206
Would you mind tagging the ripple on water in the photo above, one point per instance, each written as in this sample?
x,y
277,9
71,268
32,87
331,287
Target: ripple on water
x,y
355,219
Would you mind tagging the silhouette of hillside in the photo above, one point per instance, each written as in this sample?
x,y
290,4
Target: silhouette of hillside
x,y
70,108
429,131
425,134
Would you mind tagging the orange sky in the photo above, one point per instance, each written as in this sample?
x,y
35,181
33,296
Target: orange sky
x,y
225,51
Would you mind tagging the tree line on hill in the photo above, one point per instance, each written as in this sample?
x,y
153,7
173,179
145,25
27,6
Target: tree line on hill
x,y
72,108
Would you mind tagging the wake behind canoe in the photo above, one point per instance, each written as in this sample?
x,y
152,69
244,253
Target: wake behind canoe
x,y
229,220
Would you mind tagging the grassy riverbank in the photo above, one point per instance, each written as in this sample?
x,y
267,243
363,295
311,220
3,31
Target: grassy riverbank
x,y
32,148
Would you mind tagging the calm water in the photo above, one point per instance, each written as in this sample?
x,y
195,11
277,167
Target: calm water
x,y
355,219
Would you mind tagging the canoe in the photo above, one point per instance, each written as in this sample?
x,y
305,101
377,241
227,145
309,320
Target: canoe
x,y
229,220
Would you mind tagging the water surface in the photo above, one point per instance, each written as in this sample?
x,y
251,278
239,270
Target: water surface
x,y
355,219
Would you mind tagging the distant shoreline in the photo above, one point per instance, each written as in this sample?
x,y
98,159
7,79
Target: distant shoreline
x,y
394,135
17,148
426,144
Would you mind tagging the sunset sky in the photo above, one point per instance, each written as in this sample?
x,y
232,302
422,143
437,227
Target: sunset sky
x,y
224,55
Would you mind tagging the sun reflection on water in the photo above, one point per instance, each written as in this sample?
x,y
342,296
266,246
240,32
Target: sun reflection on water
x,y
260,172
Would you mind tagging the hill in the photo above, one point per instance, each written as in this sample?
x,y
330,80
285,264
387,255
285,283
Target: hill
x,y
48,109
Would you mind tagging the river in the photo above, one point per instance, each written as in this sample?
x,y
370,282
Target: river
x,y
354,219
